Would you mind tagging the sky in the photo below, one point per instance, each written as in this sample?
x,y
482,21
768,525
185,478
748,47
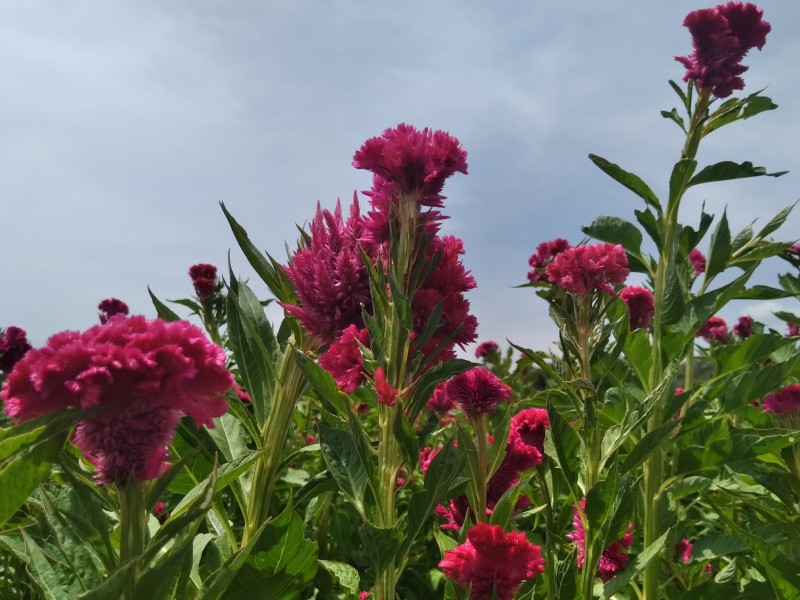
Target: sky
x,y
125,123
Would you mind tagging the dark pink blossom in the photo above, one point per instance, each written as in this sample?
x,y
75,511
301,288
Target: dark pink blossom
x,y
744,327
454,514
426,456
492,561
486,349
721,37
477,391
386,393
640,304
544,255
614,559
160,512
528,428
439,401
584,269
785,401
343,358
144,376
204,279
683,550
792,329
242,394
698,261
714,330
364,595
329,276
110,307
13,346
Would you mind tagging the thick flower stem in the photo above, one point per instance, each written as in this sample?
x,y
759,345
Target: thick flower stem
x,y
549,544
479,424
133,524
388,465
288,389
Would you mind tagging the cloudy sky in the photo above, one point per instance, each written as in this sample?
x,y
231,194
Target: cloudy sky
x,y
124,123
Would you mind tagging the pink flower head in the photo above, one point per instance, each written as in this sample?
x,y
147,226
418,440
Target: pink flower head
x,y
721,38
410,161
439,401
329,276
784,402
204,279
544,255
160,512
364,595
528,429
714,330
613,560
792,329
477,391
492,561
698,261
386,393
744,328
343,359
144,376
242,394
584,269
426,456
683,550
13,346
110,307
486,349
640,304
310,439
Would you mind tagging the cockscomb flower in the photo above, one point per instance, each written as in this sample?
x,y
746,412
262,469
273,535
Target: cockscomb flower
x,y
492,561
613,560
698,261
439,401
386,393
343,358
640,304
721,37
714,330
13,346
584,269
110,307
528,428
204,279
544,255
477,391
143,375
792,330
329,276
683,550
744,327
785,401
486,349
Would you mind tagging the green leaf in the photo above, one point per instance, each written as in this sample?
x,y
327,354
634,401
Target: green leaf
x,y
616,231
651,225
51,582
673,115
635,567
163,311
674,301
567,444
423,388
678,180
681,94
720,250
230,437
322,382
629,180
690,238
762,292
652,441
218,582
345,575
776,221
160,580
345,463
727,170
383,544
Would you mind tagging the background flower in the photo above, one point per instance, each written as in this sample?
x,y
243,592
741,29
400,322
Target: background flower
x,y
640,304
110,307
584,269
477,391
13,346
204,279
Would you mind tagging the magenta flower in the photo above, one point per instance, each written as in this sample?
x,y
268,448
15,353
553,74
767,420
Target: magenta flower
x,y
584,269
784,402
204,279
486,349
640,304
329,276
492,561
683,550
714,330
544,255
144,375
343,358
13,346
110,307
698,261
439,401
613,560
721,37
477,391
744,328
792,329
528,429
386,393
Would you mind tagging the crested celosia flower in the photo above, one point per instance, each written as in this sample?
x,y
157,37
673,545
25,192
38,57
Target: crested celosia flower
x,y
343,358
492,561
329,276
204,279
785,401
486,349
386,393
13,346
544,255
698,261
744,327
439,401
584,269
160,512
721,38
613,560
477,391
110,307
141,375
714,330
640,304
792,329
528,427
683,550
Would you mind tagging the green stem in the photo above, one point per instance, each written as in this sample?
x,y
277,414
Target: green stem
x,y
548,540
479,424
133,525
388,465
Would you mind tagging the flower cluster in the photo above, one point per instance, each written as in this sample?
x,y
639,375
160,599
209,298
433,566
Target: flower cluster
x,y
142,376
13,346
640,304
204,279
492,562
698,261
477,391
544,255
343,358
487,349
110,307
785,401
714,330
614,559
721,37
584,269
